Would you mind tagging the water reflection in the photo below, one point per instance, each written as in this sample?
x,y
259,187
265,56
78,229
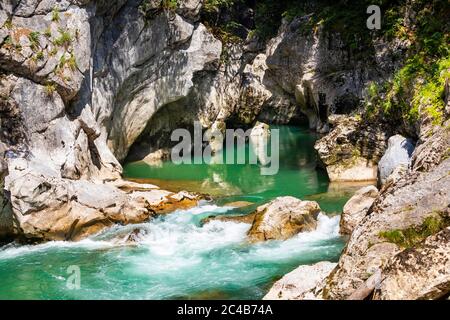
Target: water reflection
x,y
298,175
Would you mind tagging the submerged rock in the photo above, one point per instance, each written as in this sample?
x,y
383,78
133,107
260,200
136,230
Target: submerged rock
x,y
157,158
238,204
398,153
131,238
356,209
237,219
283,218
299,284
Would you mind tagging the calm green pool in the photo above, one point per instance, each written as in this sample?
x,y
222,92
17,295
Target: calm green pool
x,y
178,258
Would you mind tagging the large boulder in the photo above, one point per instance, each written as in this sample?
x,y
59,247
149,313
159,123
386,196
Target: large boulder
x,y
356,208
421,273
352,149
47,207
283,218
298,284
398,153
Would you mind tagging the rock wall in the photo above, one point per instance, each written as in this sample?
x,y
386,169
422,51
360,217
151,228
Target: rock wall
x,y
79,80
352,149
399,237
398,229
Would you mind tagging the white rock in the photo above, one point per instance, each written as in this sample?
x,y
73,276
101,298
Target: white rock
x,y
298,284
399,152
356,208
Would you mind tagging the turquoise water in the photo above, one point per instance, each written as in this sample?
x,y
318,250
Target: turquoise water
x,y
298,176
177,257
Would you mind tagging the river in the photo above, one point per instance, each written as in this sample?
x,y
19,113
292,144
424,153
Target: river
x,y
178,257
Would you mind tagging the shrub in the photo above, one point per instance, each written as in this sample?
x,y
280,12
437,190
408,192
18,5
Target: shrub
x,y
33,37
170,4
55,15
62,62
64,38
48,33
40,55
72,62
50,88
410,237
8,24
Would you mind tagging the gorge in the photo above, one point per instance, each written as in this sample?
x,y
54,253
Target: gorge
x,y
91,90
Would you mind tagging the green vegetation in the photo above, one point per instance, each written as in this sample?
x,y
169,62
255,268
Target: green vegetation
x,y
55,15
8,41
64,38
149,11
418,87
50,88
62,62
8,24
170,4
334,16
53,52
40,55
410,237
33,37
224,30
216,5
72,62
48,33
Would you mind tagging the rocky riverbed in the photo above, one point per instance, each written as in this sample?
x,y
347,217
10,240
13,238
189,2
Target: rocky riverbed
x,y
86,86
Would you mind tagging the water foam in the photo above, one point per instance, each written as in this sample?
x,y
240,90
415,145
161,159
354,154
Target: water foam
x,y
14,250
177,256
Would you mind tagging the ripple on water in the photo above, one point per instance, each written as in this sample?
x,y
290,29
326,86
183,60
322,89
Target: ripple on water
x,y
179,258
176,258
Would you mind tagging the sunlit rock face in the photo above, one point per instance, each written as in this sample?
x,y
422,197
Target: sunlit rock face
x,y
356,209
350,153
300,283
83,79
318,72
398,153
417,203
283,218
141,77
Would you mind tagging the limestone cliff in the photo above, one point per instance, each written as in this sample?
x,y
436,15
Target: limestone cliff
x,y
80,80
84,84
